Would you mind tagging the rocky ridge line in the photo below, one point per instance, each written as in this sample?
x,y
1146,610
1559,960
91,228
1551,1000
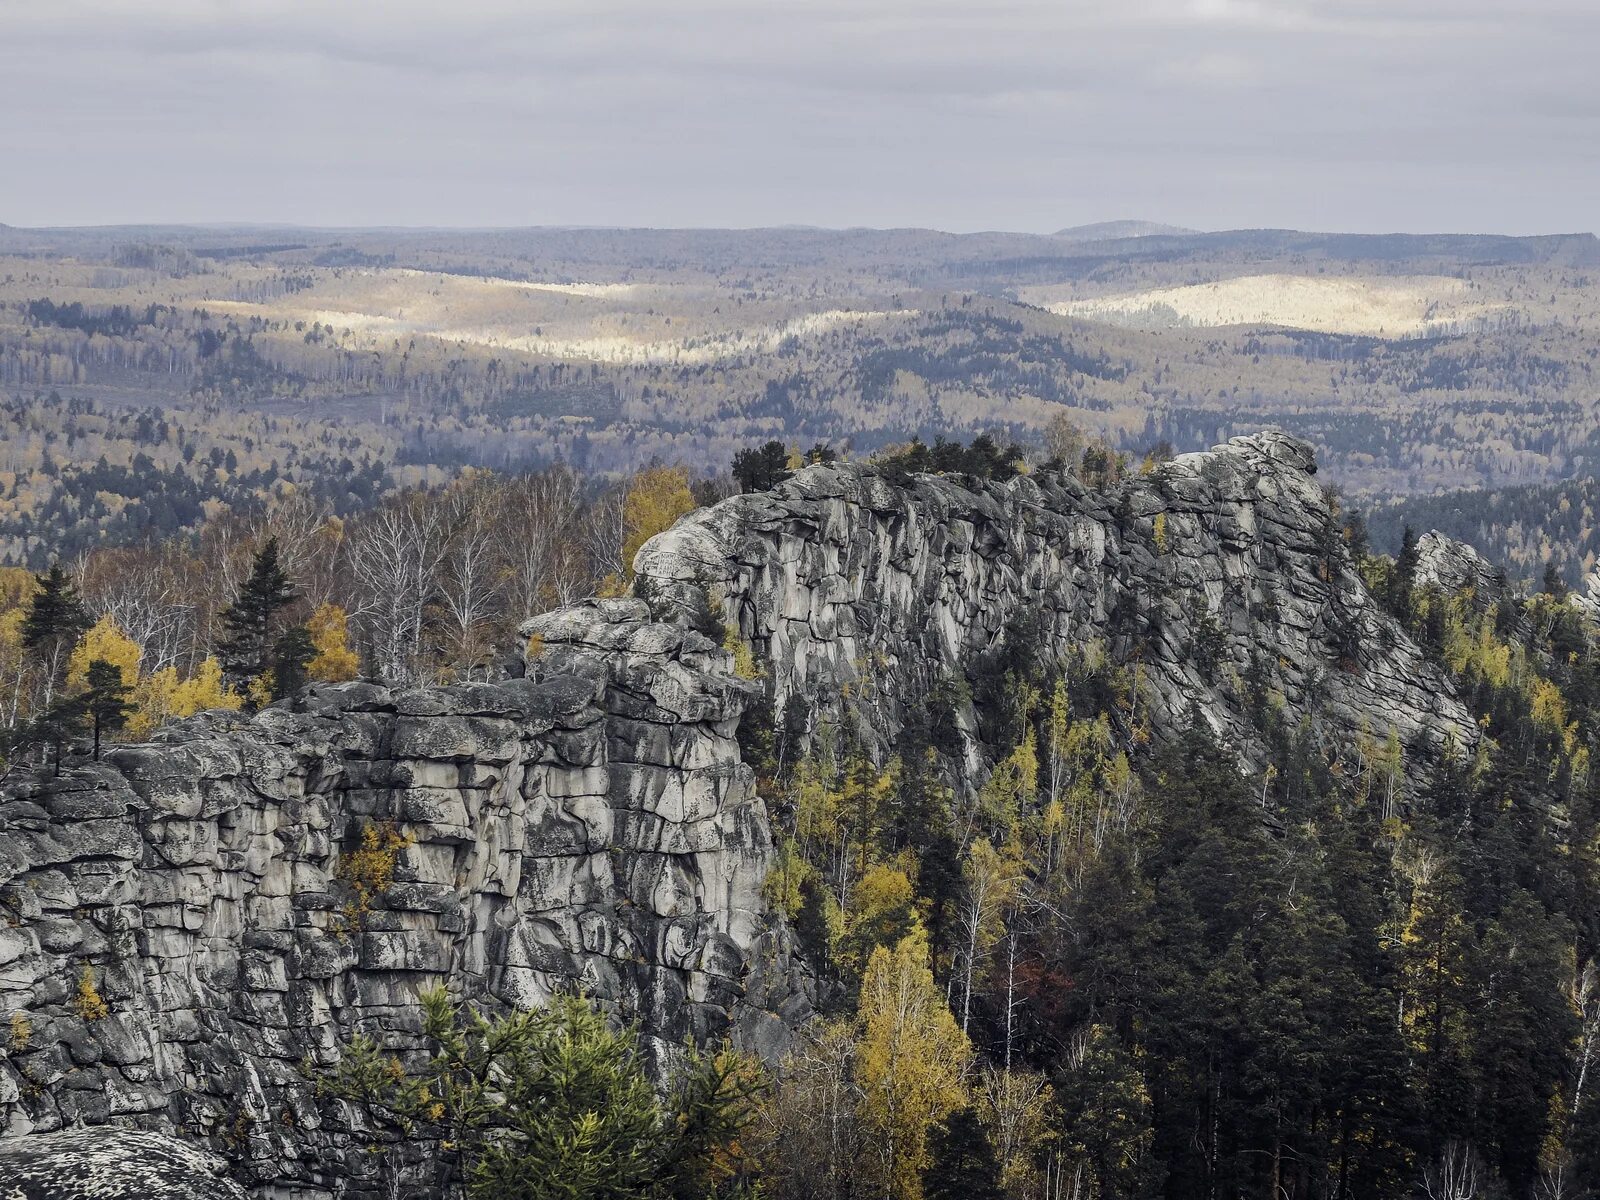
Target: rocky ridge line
x,y
862,595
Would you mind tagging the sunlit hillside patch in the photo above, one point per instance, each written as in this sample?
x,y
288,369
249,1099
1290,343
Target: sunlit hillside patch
x,y
511,348
692,349
1372,306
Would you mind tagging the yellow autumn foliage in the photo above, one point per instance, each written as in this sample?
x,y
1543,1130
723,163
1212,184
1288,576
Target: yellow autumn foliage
x,y
89,1004
744,659
786,878
161,697
911,1064
334,661
17,586
106,642
656,498
367,872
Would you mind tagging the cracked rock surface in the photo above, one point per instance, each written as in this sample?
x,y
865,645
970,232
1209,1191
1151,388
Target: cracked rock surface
x,y
1213,567
1451,565
589,826
105,1163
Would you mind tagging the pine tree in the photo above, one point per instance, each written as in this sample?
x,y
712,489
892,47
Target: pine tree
x,y
248,646
1552,584
1107,1119
57,725
56,620
106,702
553,1102
762,468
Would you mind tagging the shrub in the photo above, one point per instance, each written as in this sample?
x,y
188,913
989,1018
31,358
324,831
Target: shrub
x,y
367,872
553,1103
88,1003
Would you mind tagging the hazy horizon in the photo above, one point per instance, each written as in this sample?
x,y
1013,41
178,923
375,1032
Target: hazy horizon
x,y
1415,115
977,231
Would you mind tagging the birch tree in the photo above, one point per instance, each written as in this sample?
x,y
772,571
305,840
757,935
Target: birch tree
x,y
912,1062
992,880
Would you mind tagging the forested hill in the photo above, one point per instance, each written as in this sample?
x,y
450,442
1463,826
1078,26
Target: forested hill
x,y
240,362
1520,529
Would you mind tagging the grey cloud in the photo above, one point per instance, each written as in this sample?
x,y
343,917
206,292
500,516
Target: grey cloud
x,y
1360,114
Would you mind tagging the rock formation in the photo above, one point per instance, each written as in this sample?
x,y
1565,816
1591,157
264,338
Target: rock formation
x,y
1451,565
592,826
1211,565
592,822
111,1164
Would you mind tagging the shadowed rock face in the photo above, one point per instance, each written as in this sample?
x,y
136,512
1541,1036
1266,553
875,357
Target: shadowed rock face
x,y
110,1164
592,823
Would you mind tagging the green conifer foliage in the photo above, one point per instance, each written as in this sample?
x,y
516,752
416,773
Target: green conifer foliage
x,y
56,619
105,703
964,1166
250,624
555,1104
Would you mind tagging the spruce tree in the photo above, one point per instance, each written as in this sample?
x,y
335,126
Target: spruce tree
x,y
963,1165
1405,577
105,703
291,653
55,621
248,648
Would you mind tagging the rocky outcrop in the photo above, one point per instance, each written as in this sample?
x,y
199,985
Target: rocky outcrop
x,y
111,1164
1453,566
1213,569
592,823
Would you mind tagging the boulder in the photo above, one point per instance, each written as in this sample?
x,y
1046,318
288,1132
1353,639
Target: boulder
x,y
107,1163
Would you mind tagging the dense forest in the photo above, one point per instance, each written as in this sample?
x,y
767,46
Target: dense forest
x,y
1148,974
239,365
1116,968
1521,529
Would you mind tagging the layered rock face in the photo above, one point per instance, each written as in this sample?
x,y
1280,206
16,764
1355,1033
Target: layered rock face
x,y
592,823
1213,568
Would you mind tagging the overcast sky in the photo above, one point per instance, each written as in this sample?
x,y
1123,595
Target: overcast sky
x,y
984,114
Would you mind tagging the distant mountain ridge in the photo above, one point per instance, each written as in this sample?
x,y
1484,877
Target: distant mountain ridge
x,y
1100,231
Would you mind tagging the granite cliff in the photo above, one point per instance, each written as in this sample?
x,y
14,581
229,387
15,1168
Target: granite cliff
x,y
592,827
861,594
591,820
